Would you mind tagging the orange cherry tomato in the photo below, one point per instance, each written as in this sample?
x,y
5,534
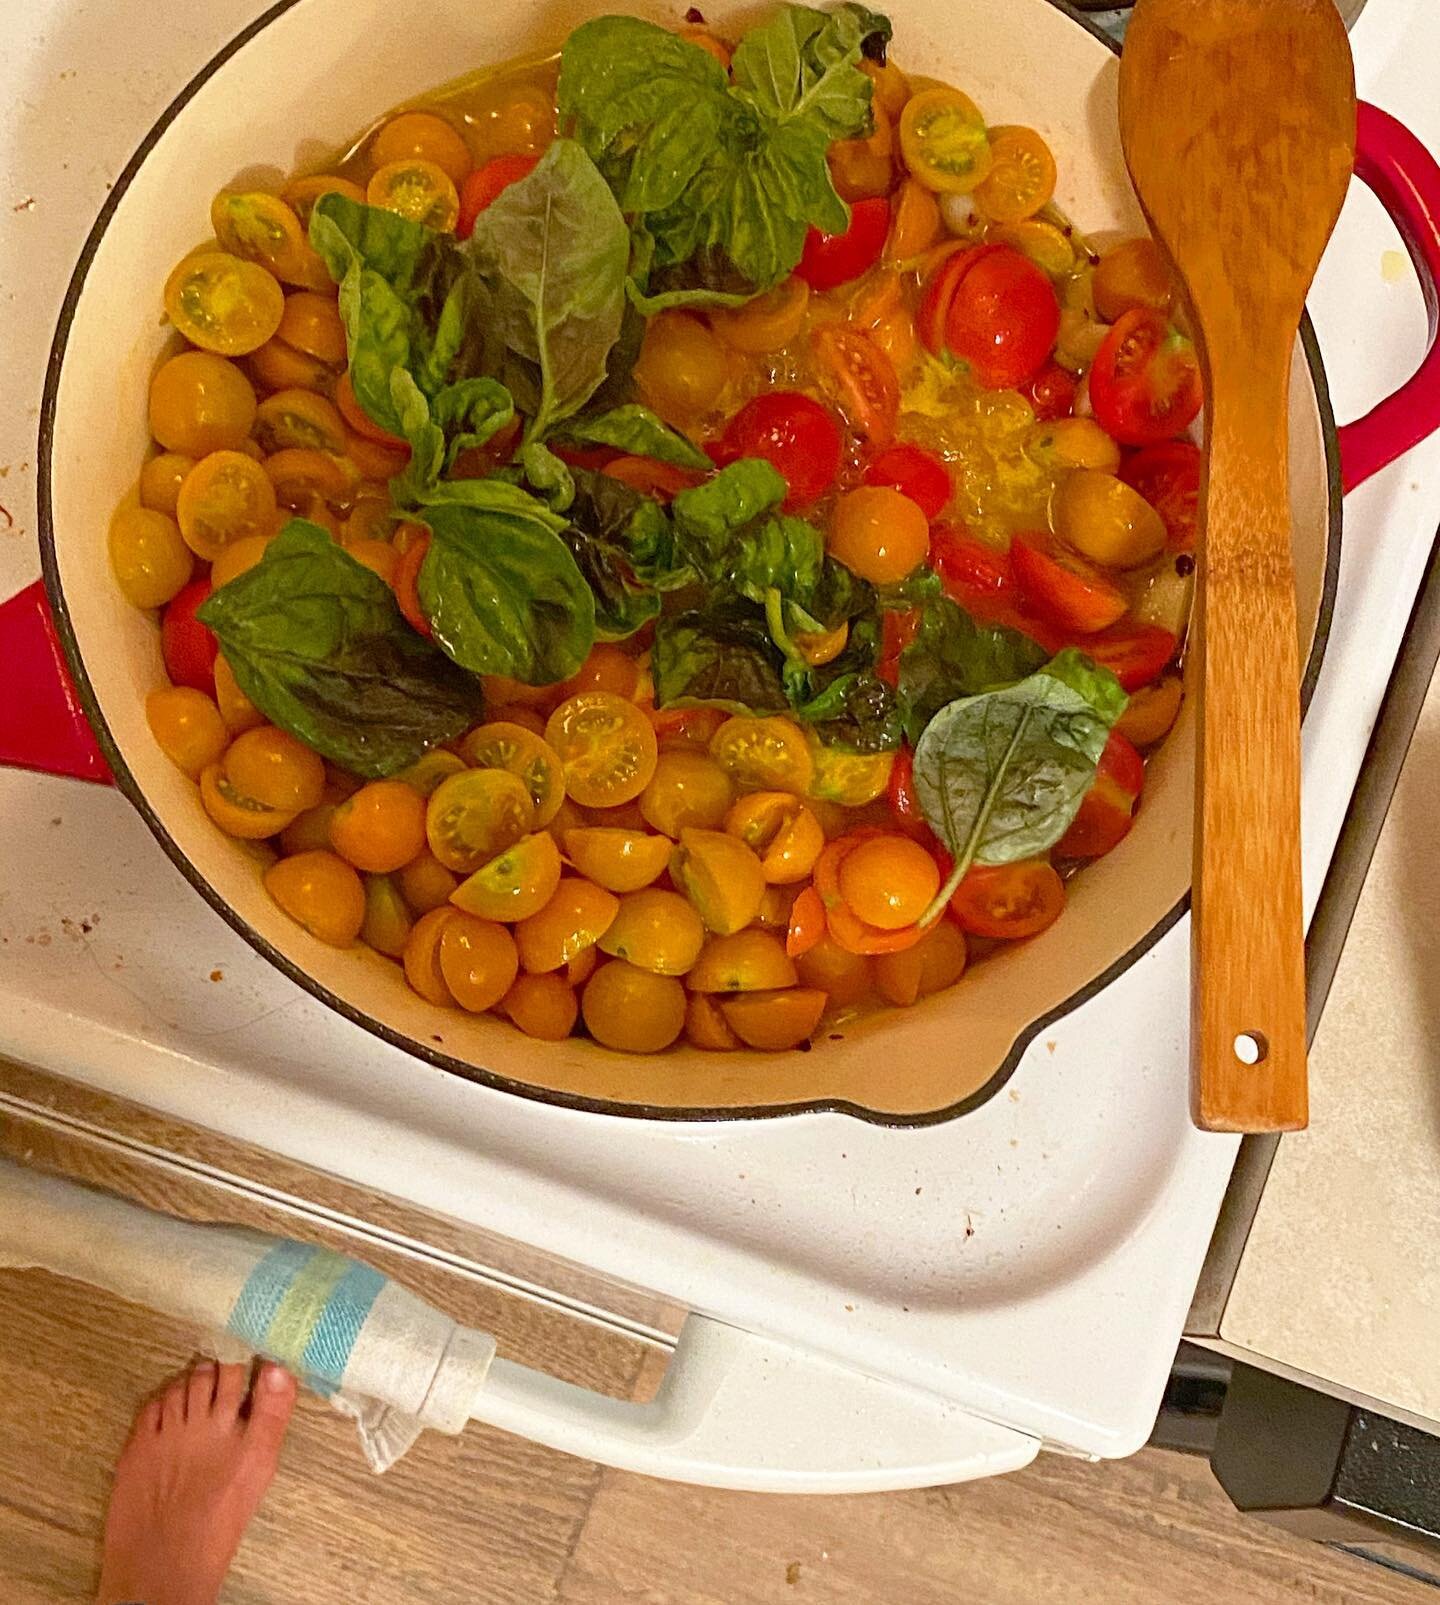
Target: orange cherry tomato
x,y
631,1010
421,957
423,135
807,923
860,379
607,746
320,892
888,881
407,583
1009,902
381,827
846,978
1132,274
879,534
576,917
542,1006
1021,178
775,1021
477,961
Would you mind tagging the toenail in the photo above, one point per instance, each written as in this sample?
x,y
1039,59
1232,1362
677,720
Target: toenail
x,y
204,1365
275,1378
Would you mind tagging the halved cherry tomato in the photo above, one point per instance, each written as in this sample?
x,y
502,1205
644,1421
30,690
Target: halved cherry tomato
x,y
764,754
188,647
844,926
607,746
864,167
807,923
795,434
774,1021
1008,902
678,728
224,304
1021,177
663,481
1145,385
914,472
888,881
768,323
1102,518
829,260
1052,392
1134,653
1107,810
904,801
407,583
943,140
263,229
994,309
1152,710
1168,477
417,190
915,224
860,379
1132,274
360,420
422,134
518,882
476,814
898,629
1063,587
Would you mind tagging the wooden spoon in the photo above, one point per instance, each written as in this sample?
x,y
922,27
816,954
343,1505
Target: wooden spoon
x,y
1238,120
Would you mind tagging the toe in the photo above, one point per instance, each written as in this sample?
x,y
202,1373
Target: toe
x,y
200,1390
272,1402
172,1404
231,1385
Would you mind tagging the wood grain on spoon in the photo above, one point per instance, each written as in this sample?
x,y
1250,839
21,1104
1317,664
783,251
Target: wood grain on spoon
x,y
1238,120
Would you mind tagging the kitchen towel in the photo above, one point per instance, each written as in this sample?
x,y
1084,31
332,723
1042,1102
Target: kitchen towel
x,y
382,1356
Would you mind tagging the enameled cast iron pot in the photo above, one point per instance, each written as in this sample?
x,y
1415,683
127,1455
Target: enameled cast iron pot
x,y
321,69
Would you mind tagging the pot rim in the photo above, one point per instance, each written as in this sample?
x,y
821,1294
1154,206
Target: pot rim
x,y
134,793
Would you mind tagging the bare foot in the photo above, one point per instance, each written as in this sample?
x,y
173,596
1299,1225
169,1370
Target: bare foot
x,y
197,1465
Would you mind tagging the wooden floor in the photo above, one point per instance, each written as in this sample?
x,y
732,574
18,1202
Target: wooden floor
x,y
484,1519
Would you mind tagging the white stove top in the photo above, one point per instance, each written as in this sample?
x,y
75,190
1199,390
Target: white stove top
x,y
1032,1262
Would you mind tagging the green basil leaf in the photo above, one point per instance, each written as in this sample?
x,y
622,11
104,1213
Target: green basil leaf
x,y
636,430
849,705
804,64
606,509
552,254
500,588
953,655
720,654
317,643
547,476
462,415
708,517
1000,776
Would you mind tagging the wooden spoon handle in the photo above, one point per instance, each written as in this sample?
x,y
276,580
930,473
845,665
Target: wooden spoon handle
x,y
1248,1038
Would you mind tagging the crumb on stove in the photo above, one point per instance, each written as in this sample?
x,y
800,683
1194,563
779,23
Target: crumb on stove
x,y
1050,1047
217,975
792,1573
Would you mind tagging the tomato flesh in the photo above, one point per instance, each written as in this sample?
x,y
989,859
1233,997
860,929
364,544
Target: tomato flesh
x,y
914,472
485,186
1134,653
1108,809
1008,902
1145,385
795,434
407,584
1052,392
189,647
1062,588
994,309
1168,477
860,379
829,260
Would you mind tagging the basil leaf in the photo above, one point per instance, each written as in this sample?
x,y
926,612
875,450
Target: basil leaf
x,y
608,510
317,643
953,656
708,517
847,702
803,64
501,591
721,654
1000,776
547,476
551,254
462,415
637,430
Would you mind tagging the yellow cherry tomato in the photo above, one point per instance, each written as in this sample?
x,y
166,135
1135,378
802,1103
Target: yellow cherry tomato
x,y
478,961
226,497
703,39
822,646
764,754
720,876
149,557
417,190
542,1006
425,883
424,135
421,957
234,812
682,367
1045,245
374,461
655,930
782,831
865,167
300,477
777,906
888,881
632,1011
1072,443
320,892
387,918
1151,711
474,815
851,779
775,1021
706,1026
380,557
381,827
187,727
619,860
878,533
1105,520
608,668
935,962
371,519
846,978
768,323
309,831
516,119
943,140
161,479
502,744
262,229
237,558
237,710
301,194
426,773
607,747
914,222
200,403
687,788
574,919
275,769
744,961
276,366
224,304
890,88
516,883
311,323
1134,274
1021,178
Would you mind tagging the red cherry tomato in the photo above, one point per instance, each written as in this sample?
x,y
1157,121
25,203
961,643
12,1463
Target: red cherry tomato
x,y
970,570
914,472
1009,901
904,802
1052,392
897,631
1062,587
793,432
189,647
486,184
1145,386
860,379
407,583
593,458
1168,477
1108,809
829,260
663,481
994,309
1134,653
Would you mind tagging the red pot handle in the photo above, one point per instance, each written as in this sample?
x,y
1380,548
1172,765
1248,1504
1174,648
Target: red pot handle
x,y
1406,180
42,725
